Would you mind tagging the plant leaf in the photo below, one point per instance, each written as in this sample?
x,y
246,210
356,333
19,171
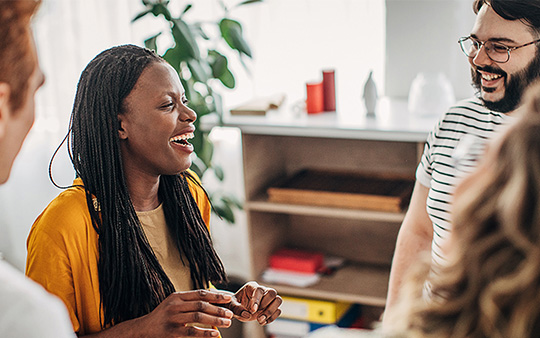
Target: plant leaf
x,y
197,28
231,31
188,7
218,63
198,166
227,78
223,5
174,56
231,199
151,43
224,210
161,8
247,2
197,71
220,69
141,14
184,39
218,171
207,151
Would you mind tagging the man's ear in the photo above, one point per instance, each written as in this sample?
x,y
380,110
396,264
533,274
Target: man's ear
x,y
5,111
122,133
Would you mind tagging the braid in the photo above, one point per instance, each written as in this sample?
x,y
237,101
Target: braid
x,y
131,280
189,230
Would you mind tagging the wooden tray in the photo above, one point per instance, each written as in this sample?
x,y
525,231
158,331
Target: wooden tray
x,y
345,190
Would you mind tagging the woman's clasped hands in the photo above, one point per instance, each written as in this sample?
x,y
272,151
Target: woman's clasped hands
x,y
194,313
198,313
255,302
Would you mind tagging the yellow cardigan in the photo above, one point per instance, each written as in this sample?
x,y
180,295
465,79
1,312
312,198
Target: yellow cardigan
x,y
63,254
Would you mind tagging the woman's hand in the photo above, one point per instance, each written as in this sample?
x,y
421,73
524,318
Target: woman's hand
x,y
175,316
187,308
254,301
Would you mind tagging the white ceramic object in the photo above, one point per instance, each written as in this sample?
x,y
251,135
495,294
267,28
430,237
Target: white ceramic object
x,y
370,95
430,94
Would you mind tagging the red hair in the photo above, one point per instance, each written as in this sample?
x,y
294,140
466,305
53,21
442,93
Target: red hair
x,y
17,59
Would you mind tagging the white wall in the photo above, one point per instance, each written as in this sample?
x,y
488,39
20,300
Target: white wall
x,y
289,48
422,36
294,40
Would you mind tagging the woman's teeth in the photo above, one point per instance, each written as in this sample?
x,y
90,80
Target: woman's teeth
x,y
182,139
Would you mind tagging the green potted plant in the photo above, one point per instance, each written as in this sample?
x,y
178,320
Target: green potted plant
x,y
196,56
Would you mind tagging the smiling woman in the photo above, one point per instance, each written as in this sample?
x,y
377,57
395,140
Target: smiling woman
x,y
154,127
133,228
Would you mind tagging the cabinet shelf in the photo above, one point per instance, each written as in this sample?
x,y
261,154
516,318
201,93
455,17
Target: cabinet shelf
x,y
369,287
261,203
364,238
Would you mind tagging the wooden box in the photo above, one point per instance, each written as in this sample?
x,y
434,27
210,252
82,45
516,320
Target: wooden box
x,y
344,190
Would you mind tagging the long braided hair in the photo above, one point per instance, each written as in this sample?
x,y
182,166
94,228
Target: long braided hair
x,y
131,281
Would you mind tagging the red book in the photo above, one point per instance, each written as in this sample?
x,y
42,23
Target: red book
x,y
296,260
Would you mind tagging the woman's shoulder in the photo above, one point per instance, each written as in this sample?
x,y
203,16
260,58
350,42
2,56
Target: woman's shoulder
x,y
68,212
70,202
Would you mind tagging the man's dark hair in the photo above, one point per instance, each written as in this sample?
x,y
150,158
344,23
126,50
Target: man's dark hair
x,y
131,280
528,11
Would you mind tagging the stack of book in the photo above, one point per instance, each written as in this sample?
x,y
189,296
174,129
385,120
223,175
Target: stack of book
x,y
294,267
300,316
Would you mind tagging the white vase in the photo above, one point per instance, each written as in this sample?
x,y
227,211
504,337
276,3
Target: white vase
x,y
431,93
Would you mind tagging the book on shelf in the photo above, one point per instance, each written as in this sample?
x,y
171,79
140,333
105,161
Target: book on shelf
x,y
259,106
298,279
296,260
294,328
313,310
300,268
300,328
332,331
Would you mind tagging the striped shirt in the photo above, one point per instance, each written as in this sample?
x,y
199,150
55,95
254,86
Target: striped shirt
x,y
452,149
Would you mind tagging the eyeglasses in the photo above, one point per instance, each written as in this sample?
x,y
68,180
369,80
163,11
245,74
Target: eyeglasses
x,y
497,52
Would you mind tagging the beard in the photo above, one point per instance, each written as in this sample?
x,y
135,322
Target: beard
x,y
514,85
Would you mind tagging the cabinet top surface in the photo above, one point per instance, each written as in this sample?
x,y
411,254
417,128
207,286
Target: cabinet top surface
x,y
392,122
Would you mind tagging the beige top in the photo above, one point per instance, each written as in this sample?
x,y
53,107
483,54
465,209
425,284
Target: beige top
x,y
157,232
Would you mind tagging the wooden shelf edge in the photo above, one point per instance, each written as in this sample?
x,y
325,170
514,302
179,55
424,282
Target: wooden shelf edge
x,y
261,204
354,283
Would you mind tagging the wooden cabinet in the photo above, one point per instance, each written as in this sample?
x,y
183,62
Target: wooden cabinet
x,y
273,150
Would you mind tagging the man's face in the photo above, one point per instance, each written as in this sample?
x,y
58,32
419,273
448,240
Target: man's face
x,y
501,85
15,125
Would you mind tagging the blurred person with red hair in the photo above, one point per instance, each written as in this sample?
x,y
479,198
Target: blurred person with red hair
x,y
26,309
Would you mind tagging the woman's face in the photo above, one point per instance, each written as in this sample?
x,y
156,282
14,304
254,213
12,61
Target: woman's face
x,y
156,125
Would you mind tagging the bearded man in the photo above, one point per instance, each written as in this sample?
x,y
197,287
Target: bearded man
x,y
503,52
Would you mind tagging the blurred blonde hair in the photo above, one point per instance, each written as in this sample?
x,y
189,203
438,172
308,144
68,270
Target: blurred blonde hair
x,y
491,285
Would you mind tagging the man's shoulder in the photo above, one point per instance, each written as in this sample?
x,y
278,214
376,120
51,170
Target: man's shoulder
x,y
469,106
27,310
19,291
472,113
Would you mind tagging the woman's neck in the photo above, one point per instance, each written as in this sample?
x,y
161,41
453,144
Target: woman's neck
x,y
143,191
